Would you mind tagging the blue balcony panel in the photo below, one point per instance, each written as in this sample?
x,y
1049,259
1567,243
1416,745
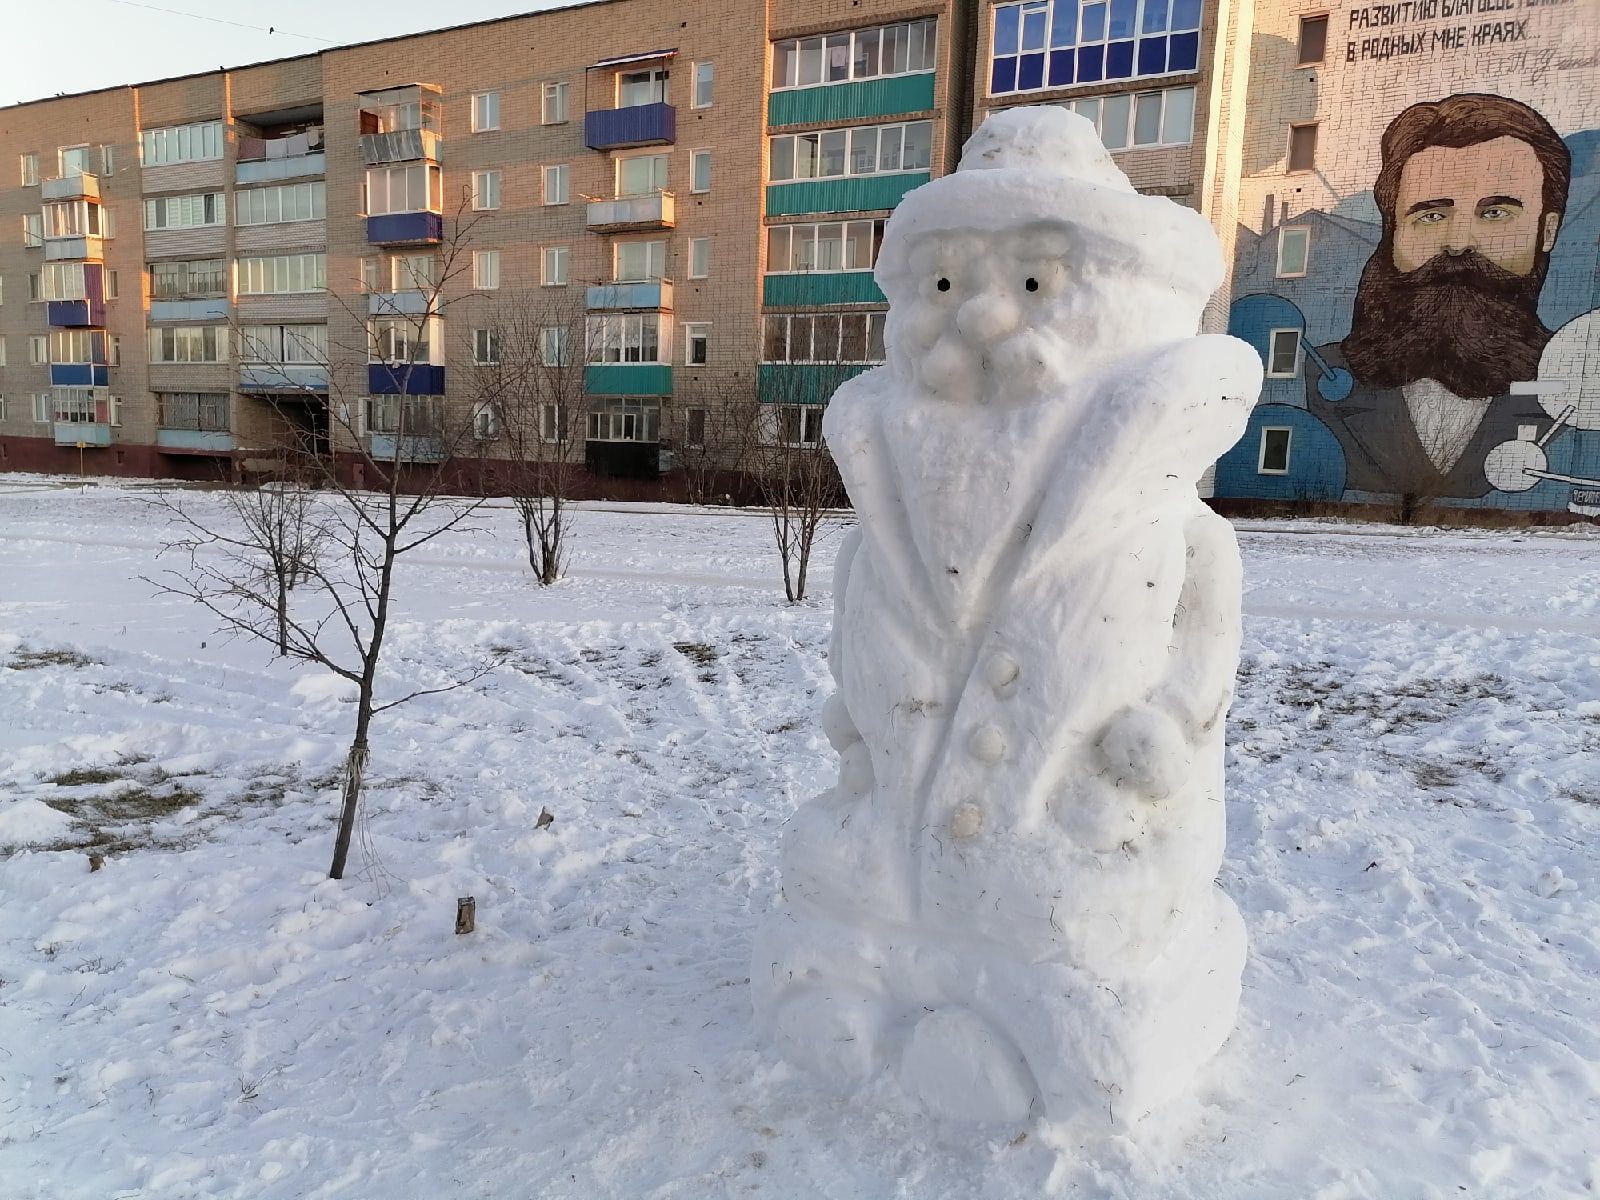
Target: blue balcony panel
x,y
637,125
414,379
283,377
411,303
390,447
194,441
657,294
77,314
628,379
214,308
80,375
405,229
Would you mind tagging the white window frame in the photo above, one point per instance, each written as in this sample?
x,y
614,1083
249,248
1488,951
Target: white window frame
x,y
555,181
201,141
849,133
1096,109
486,190
32,230
808,418
411,199
618,337
39,349
554,102
696,331
1288,450
284,345
217,272
485,111
1304,233
928,61
193,335
696,158
555,346
555,260
702,73
624,419
43,408
659,173
1272,354
281,274
486,347
193,211
28,165
85,158
655,260
486,270
836,357
552,422
811,232
2,350
657,84
699,258
306,201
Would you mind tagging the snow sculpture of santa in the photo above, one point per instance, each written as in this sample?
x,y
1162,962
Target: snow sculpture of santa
x,y
1006,906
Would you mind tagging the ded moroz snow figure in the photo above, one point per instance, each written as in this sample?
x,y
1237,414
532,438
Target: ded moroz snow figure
x,y
1007,905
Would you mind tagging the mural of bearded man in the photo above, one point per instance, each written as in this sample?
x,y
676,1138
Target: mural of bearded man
x,y
1471,190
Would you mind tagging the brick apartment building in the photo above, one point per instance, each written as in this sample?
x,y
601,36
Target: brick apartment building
x,y
196,269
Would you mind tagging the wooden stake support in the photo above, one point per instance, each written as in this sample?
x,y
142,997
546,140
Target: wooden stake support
x,y
466,914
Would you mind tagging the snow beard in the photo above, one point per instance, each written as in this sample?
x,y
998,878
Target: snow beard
x,y
1017,368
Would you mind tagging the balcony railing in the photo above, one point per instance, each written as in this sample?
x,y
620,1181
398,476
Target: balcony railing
x,y
637,125
403,145
283,377
391,447
649,294
405,379
655,210
85,433
80,185
194,441
76,314
405,229
74,248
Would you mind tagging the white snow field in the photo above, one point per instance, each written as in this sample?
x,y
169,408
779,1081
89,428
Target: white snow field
x,y
1414,828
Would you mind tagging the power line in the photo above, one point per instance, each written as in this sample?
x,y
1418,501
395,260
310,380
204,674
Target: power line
x,y
174,12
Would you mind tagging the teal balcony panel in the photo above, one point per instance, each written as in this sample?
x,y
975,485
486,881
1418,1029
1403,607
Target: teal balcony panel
x,y
88,433
832,102
804,383
821,287
628,379
859,193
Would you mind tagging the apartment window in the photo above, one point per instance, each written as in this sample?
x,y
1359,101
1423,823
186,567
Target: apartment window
x,y
694,428
79,406
78,346
193,410
635,262
826,246
282,274
190,277
648,86
108,159
42,408
1283,361
555,346
30,169
2,409
699,170
1056,43
415,187
38,350
864,54
864,150
115,354
297,345
401,341
71,219
111,285
696,343
372,275
1302,147
485,111
554,266
420,416
33,230
189,344
485,190
1164,118
64,281
73,160
2,351
553,104
1273,458
553,422
630,338
486,346
1294,249
555,184
486,269
1313,39
798,424
699,257
641,174
624,421
823,338
182,143
184,212
704,85
35,289
280,205
414,272
485,422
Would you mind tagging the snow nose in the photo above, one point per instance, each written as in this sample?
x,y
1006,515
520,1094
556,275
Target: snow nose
x,y
986,318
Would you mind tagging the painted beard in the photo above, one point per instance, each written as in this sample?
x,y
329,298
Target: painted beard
x,y
1459,319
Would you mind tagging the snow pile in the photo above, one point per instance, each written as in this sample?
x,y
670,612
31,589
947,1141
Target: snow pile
x,y
27,822
1007,903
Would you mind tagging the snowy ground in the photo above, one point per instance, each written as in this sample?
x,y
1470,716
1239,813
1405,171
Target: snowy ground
x,y
1415,804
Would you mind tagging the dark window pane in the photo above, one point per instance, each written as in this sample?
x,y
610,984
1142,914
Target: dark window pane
x,y
1313,38
1091,61
1003,78
1119,60
1302,147
1061,62
1152,55
1031,74
1184,52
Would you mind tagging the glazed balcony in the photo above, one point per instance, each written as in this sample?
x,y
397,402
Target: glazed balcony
x,y
406,229
654,210
402,145
636,125
646,294
80,375
267,159
76,314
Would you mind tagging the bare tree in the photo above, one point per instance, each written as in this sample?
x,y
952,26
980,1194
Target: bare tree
x,y
529,353
720,436
405,449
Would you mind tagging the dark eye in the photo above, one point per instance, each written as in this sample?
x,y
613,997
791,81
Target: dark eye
x,y
1032,285
944,285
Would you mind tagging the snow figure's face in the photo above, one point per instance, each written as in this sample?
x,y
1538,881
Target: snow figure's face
x,y
981,320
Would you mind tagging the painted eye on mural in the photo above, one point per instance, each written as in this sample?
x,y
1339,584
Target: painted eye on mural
x,y
1432,217
1496,212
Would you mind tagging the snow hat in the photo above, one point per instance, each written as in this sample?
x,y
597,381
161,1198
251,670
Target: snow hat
x,y
1042,163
